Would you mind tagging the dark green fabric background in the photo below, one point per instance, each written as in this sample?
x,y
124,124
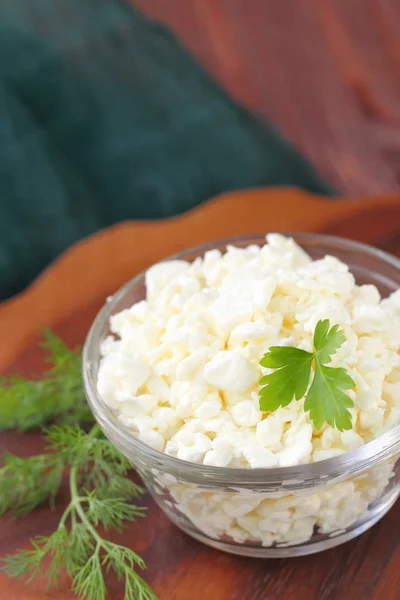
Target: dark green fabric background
x,y
105,117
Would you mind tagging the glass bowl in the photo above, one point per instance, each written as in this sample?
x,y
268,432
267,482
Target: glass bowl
x,y
278,512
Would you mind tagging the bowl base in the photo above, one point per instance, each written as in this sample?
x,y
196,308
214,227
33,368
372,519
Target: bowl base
x,y
311,547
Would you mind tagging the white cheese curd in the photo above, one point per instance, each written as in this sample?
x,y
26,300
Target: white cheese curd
x,y
182,374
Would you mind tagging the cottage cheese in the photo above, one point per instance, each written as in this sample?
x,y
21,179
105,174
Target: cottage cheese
x,y
183,368
276,519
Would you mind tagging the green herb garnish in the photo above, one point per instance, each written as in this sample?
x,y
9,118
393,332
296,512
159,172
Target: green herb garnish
x,y
58,397
100,489
325,400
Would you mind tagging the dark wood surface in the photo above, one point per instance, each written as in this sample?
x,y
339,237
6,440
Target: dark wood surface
x,y
67,297
326,72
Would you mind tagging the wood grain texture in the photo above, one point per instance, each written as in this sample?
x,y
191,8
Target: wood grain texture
x,y
68,295
325,71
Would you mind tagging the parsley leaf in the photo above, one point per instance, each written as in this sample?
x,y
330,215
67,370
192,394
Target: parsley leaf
x,y
327,341
326,400
290,380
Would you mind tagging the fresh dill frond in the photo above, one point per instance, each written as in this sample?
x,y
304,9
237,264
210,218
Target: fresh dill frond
x,y
76,546
27,482
101,491
28,404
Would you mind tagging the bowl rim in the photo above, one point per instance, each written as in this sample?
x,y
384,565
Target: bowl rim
x,y
352,462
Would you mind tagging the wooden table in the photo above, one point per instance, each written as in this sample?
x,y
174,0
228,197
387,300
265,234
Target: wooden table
x,y
67,297
326,72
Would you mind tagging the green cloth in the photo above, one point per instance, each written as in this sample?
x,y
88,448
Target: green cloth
x,y
104,117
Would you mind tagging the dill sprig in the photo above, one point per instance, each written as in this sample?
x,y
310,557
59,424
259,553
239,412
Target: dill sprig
x,y
27,482
58,396
101,491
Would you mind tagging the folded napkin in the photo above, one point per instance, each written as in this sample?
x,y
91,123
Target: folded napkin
x,y
104,117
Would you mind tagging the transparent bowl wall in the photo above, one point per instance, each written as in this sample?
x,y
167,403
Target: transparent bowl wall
x,y
263,512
